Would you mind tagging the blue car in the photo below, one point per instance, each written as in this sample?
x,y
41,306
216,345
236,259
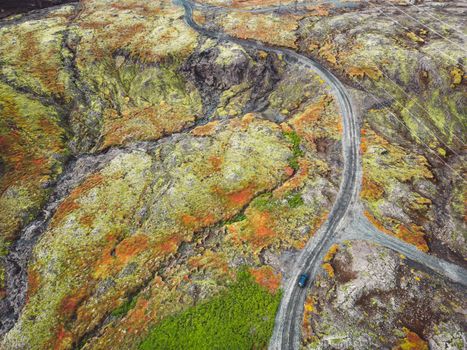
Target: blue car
x,y
302,280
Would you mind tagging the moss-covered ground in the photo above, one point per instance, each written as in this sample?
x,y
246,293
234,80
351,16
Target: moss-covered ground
x,y
241,317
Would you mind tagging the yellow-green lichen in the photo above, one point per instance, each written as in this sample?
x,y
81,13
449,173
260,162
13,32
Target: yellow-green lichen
x,y
29,159
136,211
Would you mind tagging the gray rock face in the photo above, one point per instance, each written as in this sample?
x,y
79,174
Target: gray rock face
x,y
218,68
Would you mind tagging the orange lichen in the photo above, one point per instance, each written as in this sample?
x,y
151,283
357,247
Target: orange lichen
x,y
318,11
329,269
328,52
63,339
313,118
29,160
234,234
130,247
252,3
87,220
259,232
116,255
371,190
137,317
128,30
123,127
210,260
414,235
70,303
297,181
199,17
149,309
46,65
288,171
70,204
216,162
198,221
122,37
360,72
340,126
169,245
267,277
312,113
95,24
331,252
319,221
285,127
310,302
243,122
376,223
412,341
205,130
137,6
364,139
248,118
309,309
260,223
33,283
241,197
268,28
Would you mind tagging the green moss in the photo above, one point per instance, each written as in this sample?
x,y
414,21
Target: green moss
x,y
241,317
295,200
295,140
124,308
293,163
265,202
236,218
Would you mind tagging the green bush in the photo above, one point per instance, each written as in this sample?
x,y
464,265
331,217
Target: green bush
x,y
242,317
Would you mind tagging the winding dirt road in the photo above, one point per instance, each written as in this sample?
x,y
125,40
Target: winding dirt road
x,y
345,220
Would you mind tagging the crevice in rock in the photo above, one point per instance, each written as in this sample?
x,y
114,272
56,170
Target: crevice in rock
x,y
17,260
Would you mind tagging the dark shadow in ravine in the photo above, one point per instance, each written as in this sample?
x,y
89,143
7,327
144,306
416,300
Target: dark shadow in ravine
x,y
12,7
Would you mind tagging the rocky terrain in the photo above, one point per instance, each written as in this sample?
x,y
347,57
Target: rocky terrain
x,y
154,178
369,297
